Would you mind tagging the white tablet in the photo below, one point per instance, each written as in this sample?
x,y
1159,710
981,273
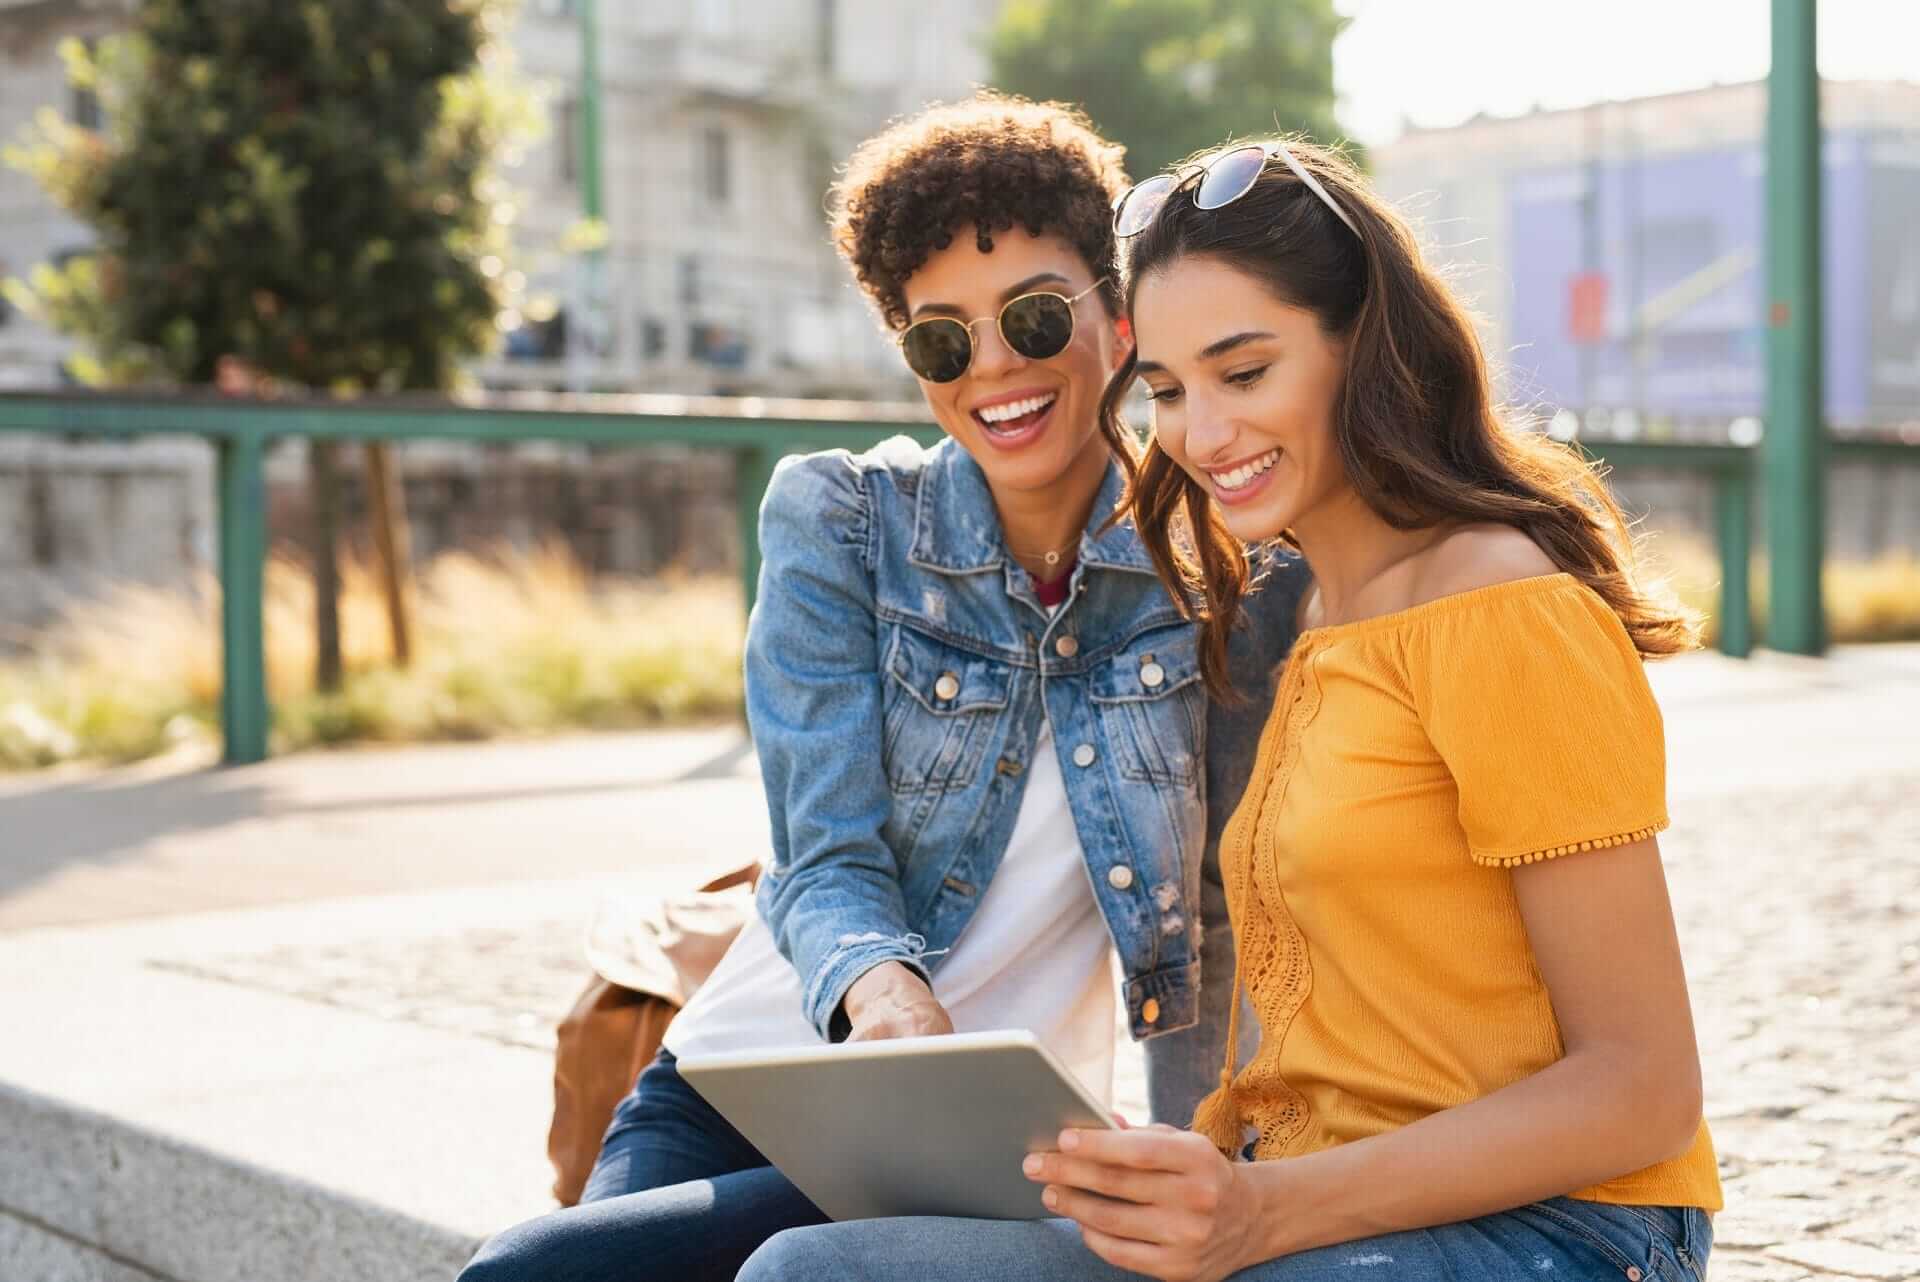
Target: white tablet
x,y
911,1126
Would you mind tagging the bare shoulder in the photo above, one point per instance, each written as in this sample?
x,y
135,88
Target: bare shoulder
x,y
1478,556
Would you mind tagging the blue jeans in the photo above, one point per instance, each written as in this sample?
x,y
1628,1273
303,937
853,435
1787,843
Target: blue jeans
x,y
677,1195
1564,1240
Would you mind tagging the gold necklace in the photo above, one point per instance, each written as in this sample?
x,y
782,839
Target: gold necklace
x,y
1050,558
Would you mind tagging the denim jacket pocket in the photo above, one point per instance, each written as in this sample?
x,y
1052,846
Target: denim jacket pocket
x,y
1153,706
941,706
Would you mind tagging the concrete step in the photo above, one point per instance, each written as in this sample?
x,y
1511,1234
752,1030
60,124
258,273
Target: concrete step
x,y
218,1098
327,1093
86,1197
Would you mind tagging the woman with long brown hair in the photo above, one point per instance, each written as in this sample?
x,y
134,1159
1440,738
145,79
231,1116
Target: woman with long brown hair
x,y
1477,1055
991,771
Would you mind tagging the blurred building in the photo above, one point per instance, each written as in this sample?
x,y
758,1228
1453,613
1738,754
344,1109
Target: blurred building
x,y
1615,257
722,121
721,124
1615,253
32,228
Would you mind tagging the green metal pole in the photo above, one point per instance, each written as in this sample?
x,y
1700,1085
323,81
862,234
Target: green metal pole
x,y
753,472
243,559
591,197
1733,504
589,141
1795,435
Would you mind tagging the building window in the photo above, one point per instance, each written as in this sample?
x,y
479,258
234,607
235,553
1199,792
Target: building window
x,y
86,103
716,165
566,141
86,109
688,269
829,30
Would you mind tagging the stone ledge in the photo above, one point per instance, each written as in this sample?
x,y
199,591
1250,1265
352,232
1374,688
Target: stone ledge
x,y
86,1196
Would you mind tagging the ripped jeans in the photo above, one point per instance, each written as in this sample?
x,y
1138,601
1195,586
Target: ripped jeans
x,y
1562,1240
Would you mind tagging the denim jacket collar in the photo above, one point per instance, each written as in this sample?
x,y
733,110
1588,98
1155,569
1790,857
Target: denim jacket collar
x,y
957,527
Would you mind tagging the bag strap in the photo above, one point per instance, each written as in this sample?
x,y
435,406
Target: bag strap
x,y
746,875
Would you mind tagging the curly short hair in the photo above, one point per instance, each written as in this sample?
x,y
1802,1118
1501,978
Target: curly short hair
x,y
991,161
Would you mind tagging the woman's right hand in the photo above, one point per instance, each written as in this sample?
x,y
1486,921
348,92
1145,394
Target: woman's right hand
x,y
891,1001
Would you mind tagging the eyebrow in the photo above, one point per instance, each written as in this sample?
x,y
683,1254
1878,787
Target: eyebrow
x,y
1211,350
1007,296
1232,341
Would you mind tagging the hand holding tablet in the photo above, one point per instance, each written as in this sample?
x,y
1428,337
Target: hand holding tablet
x,y
909,1126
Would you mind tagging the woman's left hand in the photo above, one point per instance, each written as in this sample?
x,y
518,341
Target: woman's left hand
x,y
1158,1201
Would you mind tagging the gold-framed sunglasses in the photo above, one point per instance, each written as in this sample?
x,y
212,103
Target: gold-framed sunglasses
x,y
1224,178
1037,326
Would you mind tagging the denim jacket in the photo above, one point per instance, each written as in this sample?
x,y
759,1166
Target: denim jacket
x,y
899,666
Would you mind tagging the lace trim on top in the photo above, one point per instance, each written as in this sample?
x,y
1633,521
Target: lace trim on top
x,y
1271,960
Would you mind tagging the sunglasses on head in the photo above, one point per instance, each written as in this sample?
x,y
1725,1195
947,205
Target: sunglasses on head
x,y
1036,326
1223,179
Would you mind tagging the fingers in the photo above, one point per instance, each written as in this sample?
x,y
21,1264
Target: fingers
x,y
1154,1225
1125,1253
1153,1148
1120,1182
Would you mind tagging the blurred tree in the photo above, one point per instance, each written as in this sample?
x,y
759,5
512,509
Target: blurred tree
x,y
1170,77
300,189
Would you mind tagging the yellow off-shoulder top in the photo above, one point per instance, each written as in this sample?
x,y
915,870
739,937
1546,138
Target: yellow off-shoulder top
x,y
1411,761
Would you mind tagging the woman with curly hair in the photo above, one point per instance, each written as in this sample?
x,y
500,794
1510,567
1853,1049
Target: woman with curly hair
x,y
1476,1054
981,721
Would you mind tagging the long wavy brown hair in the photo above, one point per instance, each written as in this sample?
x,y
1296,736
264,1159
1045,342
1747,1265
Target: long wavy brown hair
x,y
1418,432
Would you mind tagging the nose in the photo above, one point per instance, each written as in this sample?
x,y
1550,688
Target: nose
x,y
991,355
1210,433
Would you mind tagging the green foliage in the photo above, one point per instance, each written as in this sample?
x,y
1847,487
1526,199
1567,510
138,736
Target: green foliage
x,y
1170,77
307,186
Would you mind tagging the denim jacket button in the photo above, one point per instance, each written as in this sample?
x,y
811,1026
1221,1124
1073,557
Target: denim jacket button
x,y
1066,647
1151,675
947,686
1633,1275
1150,1011
1120,876
1083,755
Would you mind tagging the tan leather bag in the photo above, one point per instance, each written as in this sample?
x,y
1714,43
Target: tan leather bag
x,y
648,957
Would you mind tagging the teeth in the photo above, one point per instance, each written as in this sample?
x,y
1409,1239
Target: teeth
x,y
1015,409
1243,475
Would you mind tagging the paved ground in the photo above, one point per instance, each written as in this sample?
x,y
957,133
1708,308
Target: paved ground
x,y
1794,858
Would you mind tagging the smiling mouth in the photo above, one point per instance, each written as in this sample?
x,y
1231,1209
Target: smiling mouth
x,y
1013,417
1244,475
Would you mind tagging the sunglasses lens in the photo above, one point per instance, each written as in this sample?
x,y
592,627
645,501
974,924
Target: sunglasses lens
x,y
1037,325
1229,177
938,350
1139,206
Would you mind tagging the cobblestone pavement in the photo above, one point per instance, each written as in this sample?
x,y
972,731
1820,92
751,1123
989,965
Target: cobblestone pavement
x,y
1799,911
1799,914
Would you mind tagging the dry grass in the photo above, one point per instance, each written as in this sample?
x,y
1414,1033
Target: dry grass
x,y
1865,600
516,643
506,643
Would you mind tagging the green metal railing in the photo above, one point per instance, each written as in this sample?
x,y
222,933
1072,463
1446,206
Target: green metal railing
x,y
757,432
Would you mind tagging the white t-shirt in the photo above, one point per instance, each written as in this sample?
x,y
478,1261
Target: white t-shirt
x,y
1035,955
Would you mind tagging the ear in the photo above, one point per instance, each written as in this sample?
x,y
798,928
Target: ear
x,y
1122,331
